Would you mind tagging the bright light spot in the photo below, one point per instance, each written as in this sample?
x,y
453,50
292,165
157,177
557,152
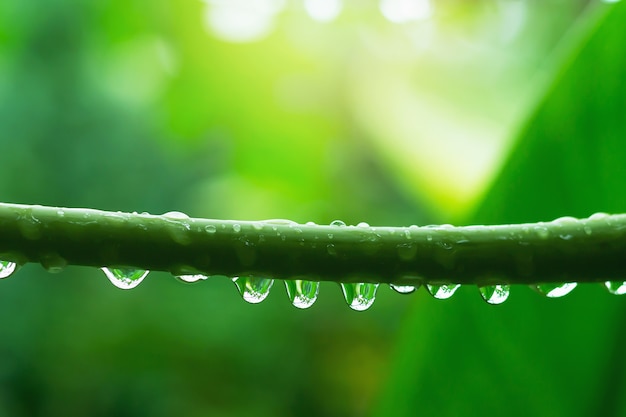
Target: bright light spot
x,y
242,20
323,10
403,11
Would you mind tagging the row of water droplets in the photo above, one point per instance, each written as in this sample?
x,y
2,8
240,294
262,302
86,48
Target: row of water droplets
x,y
359,296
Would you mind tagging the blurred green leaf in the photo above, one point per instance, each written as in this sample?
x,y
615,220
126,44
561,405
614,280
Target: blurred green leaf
x,y
533,355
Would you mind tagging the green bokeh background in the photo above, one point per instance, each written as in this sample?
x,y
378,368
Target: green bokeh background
x,y
140,106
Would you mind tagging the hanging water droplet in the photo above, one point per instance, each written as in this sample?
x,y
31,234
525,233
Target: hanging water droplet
x,y
191,278
302,293
253,289
555,290
403,289
442,292
125,278
616,287
359,296
337,223
495,294
7,268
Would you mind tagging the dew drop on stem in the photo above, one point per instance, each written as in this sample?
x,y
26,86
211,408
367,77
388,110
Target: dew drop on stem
x,y
495,294
253,289
125,278
442,292
302,293
359,296
7,268
555,290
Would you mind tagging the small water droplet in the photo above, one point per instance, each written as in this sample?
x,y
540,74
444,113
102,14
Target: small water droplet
x,y
257,226
337,223
253,289
125,278
495,294
53,262
542,232
402,289
7,268
191,278
236,227
555,290
310,224
210,228
176,215
598,216
363,225
302,293
588,230
442,292
359,296
616,287
330,248
407,251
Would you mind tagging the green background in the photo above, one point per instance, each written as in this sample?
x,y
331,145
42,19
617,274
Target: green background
x,y
459,118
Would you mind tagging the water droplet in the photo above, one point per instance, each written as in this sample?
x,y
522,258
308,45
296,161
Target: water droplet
x,y
210,228
253,289
542,232
359,296
191,278
555,290
125,278
598,216
257,226
337,223
53,262
407,251
442,292
176,215
495,294
236,227
330,248
302,293
363,224
7,268
403,289
616,287
588,230
310,224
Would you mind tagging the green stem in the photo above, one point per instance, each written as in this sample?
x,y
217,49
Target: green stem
x,y
564,250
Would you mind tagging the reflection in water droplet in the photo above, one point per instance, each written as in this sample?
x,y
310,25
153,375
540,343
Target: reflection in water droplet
x,y
210,228
616,287
125,278
441,292
555,290
7,268
337,223
191,278
253,289
495,294
403,289
359,296
302,293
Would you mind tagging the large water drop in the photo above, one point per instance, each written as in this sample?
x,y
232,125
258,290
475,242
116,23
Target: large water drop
x,y
253,289
495,294
302,293
7,268
442,292
403,289
125,278
555,290
337,223
359,296
616,287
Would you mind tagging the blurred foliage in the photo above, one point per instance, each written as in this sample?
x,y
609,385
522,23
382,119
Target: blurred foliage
x,y
145,106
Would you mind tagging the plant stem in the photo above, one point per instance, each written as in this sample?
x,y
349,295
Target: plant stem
x,y
564,250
